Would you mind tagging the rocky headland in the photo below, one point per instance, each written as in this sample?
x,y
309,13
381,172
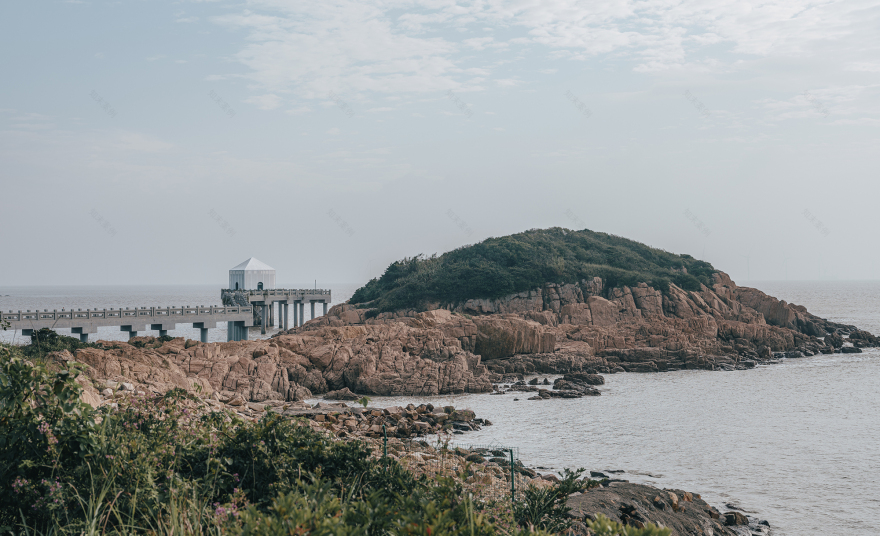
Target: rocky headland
x,y
477,346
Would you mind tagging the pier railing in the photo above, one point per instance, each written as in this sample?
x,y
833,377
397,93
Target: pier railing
x,y
140,313
284,292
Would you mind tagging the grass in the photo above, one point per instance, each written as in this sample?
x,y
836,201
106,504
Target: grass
x,y
502,266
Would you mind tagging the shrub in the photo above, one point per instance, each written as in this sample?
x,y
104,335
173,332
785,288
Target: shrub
x,y
154,465
45,340
501,266
545,508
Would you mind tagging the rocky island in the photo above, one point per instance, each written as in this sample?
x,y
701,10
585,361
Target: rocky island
x,y
444,325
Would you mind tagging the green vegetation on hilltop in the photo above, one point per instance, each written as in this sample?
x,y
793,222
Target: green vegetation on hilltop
x,y
525,261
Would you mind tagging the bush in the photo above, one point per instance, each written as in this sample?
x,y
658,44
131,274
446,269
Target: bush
x,y
501,266
45,340
154,465
545,508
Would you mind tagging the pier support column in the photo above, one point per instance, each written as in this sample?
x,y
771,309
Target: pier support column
x,y
83,337
163,332
132,334
244,332
271,314
203,334
286,311
230,331
265,319
302,312
325,308
295,313
313,309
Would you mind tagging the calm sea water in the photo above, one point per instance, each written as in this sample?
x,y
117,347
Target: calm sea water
x,y
796,443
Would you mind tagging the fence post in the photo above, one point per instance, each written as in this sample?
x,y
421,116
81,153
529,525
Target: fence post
x,y
512,478
385,446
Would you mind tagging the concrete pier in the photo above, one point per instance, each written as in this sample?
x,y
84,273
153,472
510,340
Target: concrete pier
x,y
130,320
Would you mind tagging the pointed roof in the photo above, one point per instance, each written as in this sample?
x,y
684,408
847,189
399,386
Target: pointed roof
x,y
253,264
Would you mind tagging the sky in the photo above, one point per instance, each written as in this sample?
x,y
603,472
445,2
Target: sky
x,y
166,142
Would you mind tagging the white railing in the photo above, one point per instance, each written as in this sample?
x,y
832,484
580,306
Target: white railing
x,y
283,292
140,312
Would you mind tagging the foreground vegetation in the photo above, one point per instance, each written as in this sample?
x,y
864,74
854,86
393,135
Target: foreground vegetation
x,y
501,266
156,466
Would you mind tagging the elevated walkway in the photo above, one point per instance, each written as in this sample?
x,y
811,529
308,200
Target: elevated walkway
x,y
133,321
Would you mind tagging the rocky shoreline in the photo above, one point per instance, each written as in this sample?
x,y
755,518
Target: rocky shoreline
x,y
577,332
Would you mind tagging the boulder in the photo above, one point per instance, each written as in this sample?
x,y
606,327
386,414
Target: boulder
x,y
342,394
735,518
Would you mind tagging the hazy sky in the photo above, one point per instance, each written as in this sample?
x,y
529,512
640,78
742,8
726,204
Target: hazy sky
x,y
165,142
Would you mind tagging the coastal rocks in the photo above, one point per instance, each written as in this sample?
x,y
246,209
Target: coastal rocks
x,y
636,505
341,394
411,421
582,383
506,336
732,519
383,359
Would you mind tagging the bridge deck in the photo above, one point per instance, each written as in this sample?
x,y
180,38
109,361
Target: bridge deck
x,y
134,320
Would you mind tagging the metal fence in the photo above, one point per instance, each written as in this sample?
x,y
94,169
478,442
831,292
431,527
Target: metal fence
x,y
490,472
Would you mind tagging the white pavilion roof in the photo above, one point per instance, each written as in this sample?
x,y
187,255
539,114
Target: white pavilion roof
x,y
253,264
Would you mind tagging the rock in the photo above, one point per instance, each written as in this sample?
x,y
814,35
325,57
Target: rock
x,y
588,379
850,350
735,518
107,392
673,497
475,458
636,505
341,394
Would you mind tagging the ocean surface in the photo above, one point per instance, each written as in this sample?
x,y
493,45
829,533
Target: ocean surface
x,y
796,443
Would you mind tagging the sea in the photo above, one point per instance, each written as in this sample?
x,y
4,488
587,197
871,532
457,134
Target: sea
x,y
795,443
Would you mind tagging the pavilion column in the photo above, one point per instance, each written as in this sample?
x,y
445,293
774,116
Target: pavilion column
x,y
204,334
313,309
265,319
325,308
84,337
302,312
295,313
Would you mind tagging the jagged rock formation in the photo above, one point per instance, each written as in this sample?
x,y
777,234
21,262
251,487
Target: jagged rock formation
x,y
556,329
588,327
